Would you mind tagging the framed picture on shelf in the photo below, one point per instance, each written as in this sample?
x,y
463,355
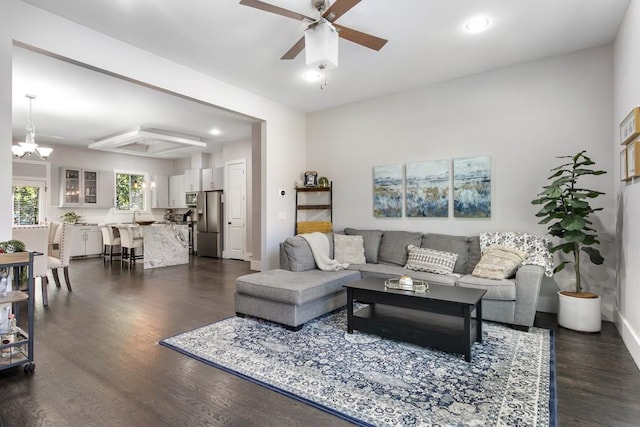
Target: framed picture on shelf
x,y
623,165
632,157
311,179
630,126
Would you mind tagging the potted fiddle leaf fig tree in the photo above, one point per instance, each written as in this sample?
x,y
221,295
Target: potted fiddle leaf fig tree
x,y
566,212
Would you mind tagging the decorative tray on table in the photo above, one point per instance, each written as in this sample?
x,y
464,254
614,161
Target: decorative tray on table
x,y
406,283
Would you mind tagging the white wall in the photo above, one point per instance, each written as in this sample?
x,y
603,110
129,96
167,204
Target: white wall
x,y
5,124
284,133
627,96
522,116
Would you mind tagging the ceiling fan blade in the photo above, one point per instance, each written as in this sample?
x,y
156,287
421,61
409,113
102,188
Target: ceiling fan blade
x,y
295,49
364,39
276,9
339,8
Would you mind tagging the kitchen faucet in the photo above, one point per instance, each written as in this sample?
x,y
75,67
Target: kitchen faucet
x,y
134,215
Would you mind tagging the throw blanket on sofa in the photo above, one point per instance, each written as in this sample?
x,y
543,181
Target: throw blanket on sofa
x,y
319,244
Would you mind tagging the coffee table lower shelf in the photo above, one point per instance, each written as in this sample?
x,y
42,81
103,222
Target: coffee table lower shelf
x,y
438,331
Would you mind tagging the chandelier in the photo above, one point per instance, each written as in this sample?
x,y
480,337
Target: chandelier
x,y
29,146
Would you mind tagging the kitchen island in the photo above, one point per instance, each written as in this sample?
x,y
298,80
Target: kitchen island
x,y
165,244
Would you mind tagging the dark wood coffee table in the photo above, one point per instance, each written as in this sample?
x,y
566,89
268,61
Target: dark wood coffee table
x,y
439,318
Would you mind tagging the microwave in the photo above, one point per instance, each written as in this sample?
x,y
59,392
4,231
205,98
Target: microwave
x,y
191,199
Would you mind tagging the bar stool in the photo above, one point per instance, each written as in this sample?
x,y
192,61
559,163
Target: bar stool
x,y
129,244
109,240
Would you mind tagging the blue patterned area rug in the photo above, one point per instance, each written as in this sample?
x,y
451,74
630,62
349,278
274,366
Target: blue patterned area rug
x,y
369,380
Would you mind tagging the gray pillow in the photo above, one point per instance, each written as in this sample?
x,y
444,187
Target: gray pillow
x,y
474,253
299,254
371,242
454,244
393,246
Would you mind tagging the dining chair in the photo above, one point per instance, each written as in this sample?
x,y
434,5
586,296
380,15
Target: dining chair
x,y
129,244
109,240
60,251
36,239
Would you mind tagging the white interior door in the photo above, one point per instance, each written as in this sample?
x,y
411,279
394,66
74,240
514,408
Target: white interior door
x,y
235,206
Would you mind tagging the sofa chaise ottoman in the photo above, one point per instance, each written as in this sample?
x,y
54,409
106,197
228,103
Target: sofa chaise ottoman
x,y
291,298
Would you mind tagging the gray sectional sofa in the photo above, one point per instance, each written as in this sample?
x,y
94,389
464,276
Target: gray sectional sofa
x,y
298,291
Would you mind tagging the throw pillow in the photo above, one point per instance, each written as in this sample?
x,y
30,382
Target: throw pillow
x,y
423,259
371,242
537,247
348,249
499,262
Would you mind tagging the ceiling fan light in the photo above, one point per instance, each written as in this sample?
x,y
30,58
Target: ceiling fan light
x,y
321,46
312,75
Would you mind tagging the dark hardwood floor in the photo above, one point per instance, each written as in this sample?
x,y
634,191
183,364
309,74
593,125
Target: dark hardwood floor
x,y
98,362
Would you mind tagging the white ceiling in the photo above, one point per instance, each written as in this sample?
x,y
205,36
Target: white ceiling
x,y
242,45
76,106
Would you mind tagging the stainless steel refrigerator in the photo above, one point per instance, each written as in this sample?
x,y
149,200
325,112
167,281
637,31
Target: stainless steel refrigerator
x,y
210,224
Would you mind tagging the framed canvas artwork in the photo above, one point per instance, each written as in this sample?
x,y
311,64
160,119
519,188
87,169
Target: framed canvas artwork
x,y
472,187
427,189
387,191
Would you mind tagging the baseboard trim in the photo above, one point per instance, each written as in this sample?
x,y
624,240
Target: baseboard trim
x,y
548,304
630,338
255,265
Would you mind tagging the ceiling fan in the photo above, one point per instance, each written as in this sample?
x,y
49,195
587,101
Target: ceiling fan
x,y
329,14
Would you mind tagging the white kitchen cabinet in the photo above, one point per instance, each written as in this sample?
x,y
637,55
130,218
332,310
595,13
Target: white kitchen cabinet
x,y
86,240
193,180
212,179
70,187
160,191
106,189
176,192
86,188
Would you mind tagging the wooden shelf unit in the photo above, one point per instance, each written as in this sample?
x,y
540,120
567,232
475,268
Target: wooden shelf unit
x,y
302,206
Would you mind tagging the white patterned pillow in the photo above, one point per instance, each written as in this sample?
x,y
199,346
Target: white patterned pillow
x,y
423,259
499,262
348,249
536,247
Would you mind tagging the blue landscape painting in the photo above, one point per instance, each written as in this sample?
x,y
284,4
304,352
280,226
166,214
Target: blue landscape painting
x,y
387,191
427,189
472,187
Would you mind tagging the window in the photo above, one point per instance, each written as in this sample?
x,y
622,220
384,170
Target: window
x,y
130,191
28,202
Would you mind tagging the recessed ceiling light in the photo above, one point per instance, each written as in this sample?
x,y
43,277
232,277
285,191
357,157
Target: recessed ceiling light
x,y
312,75
215,131
477,24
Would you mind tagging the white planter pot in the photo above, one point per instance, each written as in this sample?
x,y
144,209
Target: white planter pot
x,y
579,314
